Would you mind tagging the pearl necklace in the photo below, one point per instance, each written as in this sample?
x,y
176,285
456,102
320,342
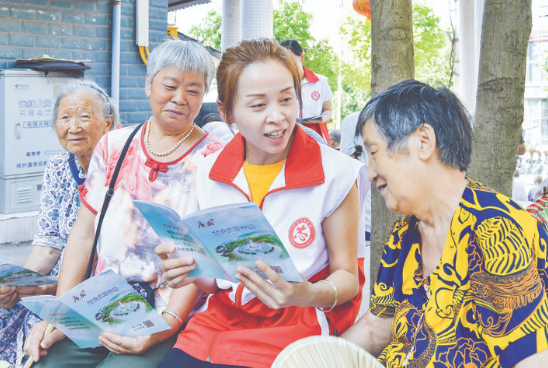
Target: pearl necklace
x,y
162,154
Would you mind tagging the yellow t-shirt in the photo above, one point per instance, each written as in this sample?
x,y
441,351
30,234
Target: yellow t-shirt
x,y
260,178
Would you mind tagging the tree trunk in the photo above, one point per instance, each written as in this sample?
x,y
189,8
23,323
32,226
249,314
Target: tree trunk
x,y
392,60
501,86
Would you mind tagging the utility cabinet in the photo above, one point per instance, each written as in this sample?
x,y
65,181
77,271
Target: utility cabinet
x,y
27,136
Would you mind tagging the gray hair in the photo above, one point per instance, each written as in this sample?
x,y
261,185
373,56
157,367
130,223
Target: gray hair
x,y
107,104
335,134
185,56
402,108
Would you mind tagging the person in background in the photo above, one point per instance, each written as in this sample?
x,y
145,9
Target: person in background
x,y
518,188
213,123
537,190
352,145
211,118
335,139
463,278
311,195
160,166
82,114
317,98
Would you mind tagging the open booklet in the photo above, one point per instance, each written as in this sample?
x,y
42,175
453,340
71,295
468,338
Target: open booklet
x,y
102,303
221,238
12,275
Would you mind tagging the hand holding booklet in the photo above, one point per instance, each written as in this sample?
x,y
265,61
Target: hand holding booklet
x,y
221,238
11,275
102,303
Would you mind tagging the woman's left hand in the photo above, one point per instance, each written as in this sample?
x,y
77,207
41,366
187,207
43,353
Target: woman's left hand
x,y
125,345
48,289
279,293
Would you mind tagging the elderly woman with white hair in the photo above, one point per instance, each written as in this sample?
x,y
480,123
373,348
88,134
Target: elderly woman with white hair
x,y
82,114
159,166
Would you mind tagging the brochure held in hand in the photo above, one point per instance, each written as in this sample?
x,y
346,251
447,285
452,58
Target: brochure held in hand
x,y
11,275
102,303
221,238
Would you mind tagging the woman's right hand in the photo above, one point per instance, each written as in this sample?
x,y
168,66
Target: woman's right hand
x,y
8,297
36,345
175,270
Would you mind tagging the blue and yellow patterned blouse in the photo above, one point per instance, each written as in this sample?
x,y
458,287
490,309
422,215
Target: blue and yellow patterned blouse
x,y
485,305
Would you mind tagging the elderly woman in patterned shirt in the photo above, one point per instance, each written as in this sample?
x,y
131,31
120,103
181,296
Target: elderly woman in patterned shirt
x,y
83,113
462,281
160,166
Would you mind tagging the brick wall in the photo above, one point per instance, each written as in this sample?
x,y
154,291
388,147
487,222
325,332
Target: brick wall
x,y
79,30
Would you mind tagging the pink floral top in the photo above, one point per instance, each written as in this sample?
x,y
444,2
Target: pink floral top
x,y
127,242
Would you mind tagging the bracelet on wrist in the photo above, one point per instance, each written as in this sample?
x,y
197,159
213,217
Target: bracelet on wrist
x,y
336,296
174,315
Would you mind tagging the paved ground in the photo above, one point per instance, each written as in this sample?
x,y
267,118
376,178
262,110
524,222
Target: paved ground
x,y
15,253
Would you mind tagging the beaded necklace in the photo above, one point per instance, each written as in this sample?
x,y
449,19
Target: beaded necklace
x,y
162,154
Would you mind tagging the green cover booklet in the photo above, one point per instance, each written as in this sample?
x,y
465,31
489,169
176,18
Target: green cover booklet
x,y
102,303
221,238
11,275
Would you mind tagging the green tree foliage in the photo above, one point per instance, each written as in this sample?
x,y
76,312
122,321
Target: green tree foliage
x,y
356,75
209,31
292,22
431,45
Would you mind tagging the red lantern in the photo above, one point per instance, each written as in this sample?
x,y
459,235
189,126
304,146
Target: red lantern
x,y
362,7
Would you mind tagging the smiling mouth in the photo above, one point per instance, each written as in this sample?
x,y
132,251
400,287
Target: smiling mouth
x,y
175,112
275,135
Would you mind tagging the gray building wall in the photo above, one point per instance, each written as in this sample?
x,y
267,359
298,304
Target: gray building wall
x,y
82,29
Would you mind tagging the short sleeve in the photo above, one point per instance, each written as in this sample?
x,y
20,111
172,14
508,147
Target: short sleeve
x,y
383,301
509,293
326,90
348,131
48,233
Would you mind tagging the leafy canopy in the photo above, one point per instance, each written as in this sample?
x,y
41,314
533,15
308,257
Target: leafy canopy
x,y
209,31
292,22
432,48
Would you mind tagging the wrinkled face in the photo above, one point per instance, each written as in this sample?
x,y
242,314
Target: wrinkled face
x,y
175,98
393,173
80,123
265,111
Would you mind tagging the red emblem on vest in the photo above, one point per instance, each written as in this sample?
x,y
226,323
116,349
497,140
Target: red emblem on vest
x,y
315,95
302,233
